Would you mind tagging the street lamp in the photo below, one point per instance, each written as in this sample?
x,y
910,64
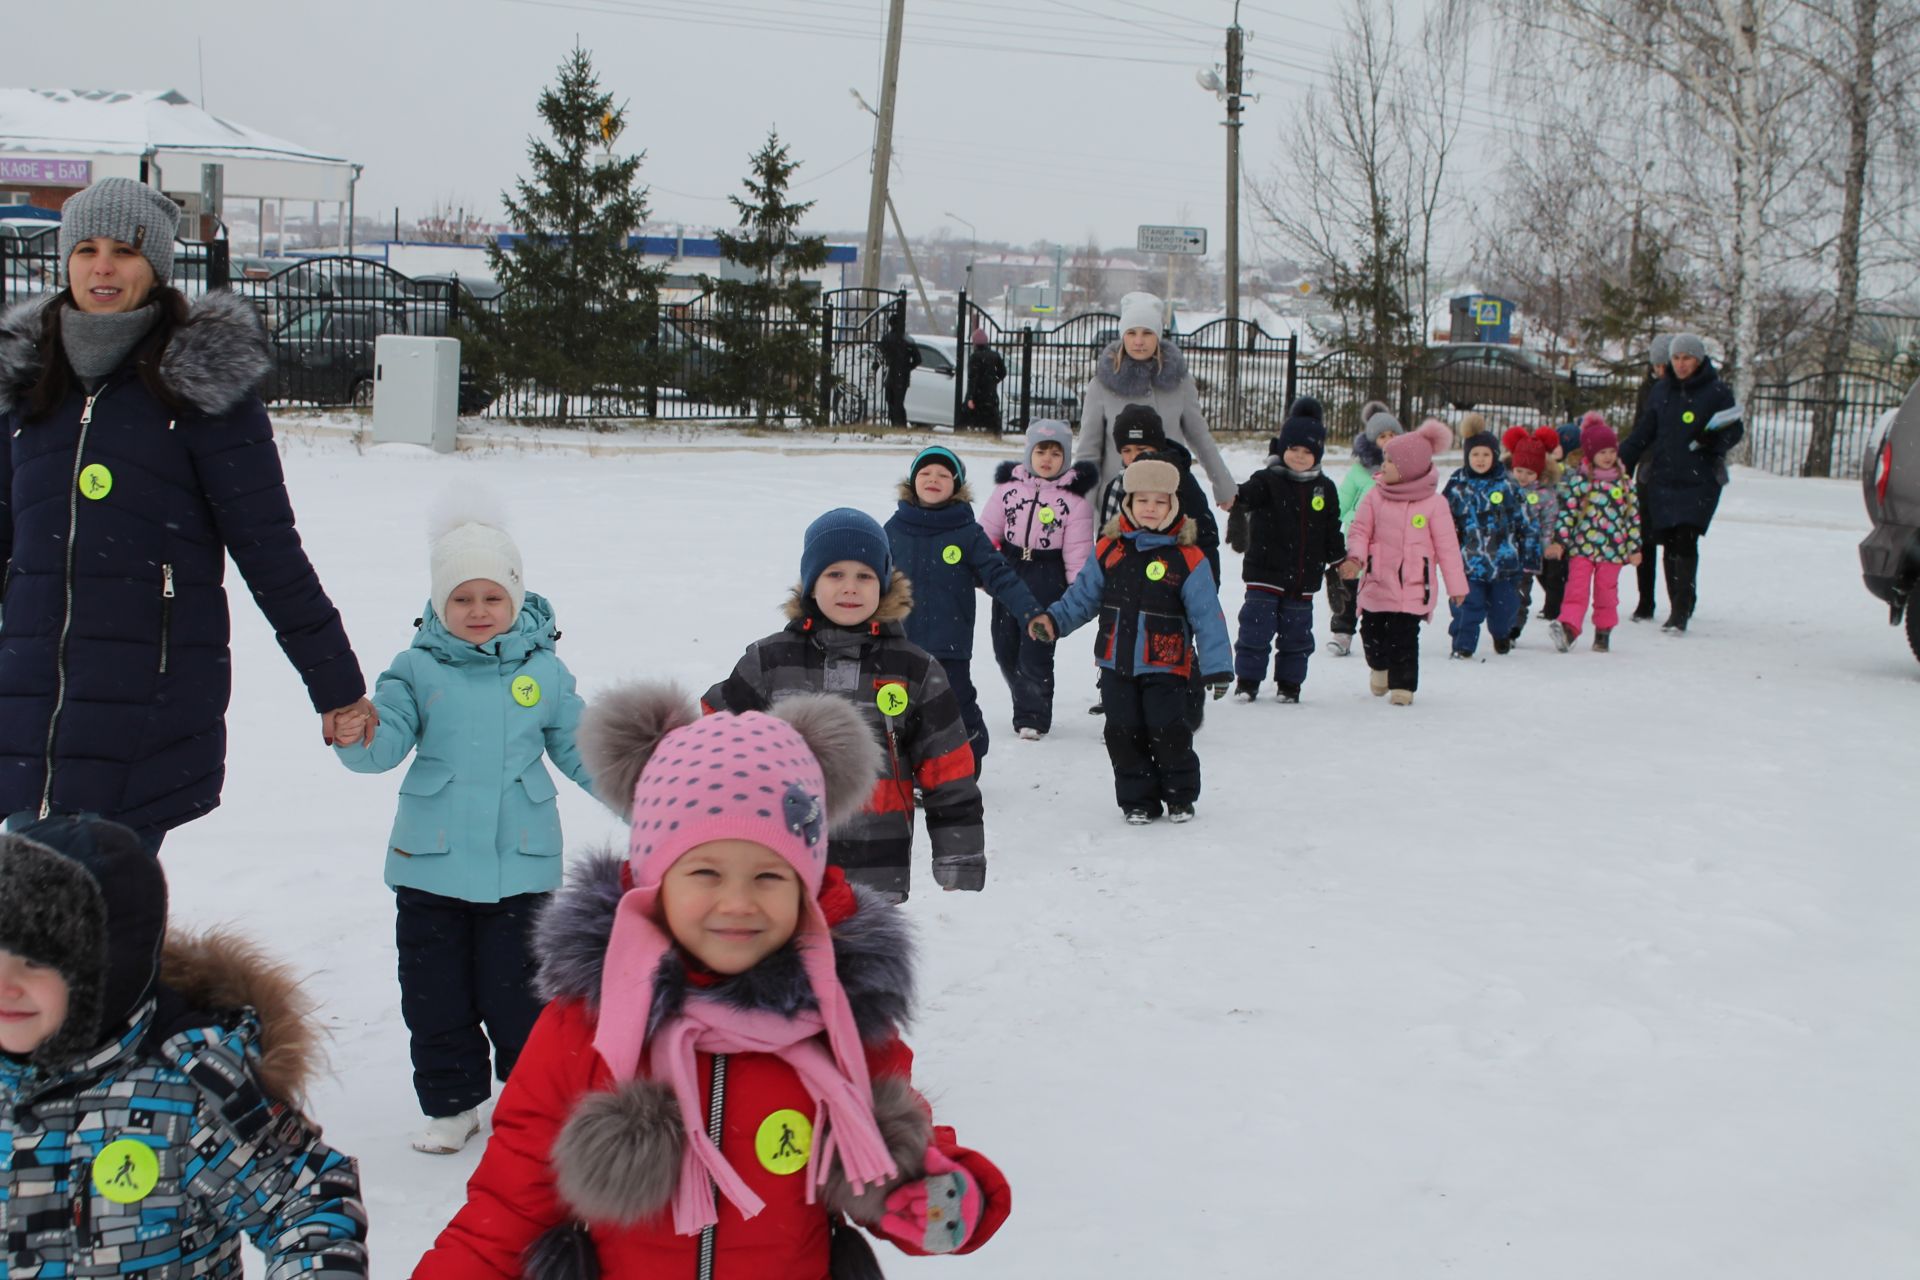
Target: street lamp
x,y
973,252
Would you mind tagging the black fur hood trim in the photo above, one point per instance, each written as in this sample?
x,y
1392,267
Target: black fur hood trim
x,y
1077,479
873,950
1137,377
212,362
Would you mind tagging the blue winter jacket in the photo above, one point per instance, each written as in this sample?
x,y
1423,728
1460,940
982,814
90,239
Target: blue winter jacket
x,y
1205,625
1498,539
946,555
478,817
117,515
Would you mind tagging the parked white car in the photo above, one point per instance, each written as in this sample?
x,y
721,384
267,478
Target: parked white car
x,y
930,394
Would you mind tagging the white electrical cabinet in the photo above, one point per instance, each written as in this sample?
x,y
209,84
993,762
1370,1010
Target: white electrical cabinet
x,y
416,391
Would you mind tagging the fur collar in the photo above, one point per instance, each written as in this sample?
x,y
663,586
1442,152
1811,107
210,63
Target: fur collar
x,y
213,361
213,975
1183,534
1138,377
895,605
1076,479
873,950
961,493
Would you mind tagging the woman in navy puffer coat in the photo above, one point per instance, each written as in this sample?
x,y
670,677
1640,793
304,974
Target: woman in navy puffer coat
x,y
137,459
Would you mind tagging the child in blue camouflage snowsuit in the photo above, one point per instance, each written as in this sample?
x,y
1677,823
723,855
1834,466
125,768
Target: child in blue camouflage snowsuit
x,y
149,1117
1497,541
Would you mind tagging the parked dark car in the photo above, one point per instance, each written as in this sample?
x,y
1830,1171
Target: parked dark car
x,y
1466,375
1890,483
480,287
324,354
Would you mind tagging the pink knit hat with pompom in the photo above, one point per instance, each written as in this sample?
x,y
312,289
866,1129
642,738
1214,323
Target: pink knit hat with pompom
x,y
1412,453
1596,436
779,780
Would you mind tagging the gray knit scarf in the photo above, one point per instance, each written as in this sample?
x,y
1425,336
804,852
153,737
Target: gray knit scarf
x,y
96,344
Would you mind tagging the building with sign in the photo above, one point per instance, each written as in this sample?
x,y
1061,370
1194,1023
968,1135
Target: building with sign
x,y
53,142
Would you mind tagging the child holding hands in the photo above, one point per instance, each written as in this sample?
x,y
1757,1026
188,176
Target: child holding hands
x,y
478,699
1400,546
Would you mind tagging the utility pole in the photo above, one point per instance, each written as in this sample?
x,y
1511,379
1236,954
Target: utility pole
x,y
1235,46
882,150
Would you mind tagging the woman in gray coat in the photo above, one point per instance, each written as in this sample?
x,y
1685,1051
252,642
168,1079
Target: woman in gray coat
x,y
1139,368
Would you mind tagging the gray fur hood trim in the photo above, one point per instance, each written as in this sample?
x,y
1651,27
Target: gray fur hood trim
x,y
1137,377
20,330
213,361
873,950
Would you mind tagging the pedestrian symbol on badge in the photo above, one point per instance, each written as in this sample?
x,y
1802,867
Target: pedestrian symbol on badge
x,y
1616,493
1496,497
1046,515
96,481
892,699
784,1141
952,554
1319,502
526,691
1156,571
126,1171
1419,522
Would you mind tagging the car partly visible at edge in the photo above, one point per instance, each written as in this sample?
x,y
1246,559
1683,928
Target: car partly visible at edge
x,y
1890,484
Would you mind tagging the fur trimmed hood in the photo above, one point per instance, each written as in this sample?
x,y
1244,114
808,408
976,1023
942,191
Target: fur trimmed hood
x,y
216,974
1077,479
1183,535
1135,378
895,605
904,492
873,951
212,362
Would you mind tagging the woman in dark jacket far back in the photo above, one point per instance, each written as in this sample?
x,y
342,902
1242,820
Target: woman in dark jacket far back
x,y
138,458
1690,425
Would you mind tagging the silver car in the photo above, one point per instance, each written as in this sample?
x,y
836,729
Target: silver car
x,y
1890,555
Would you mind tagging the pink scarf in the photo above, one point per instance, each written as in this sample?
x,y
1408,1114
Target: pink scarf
x,y
1424,485
843,1123
1601,475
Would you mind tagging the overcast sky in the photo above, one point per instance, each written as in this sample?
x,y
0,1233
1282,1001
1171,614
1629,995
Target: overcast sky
x,y
1030,118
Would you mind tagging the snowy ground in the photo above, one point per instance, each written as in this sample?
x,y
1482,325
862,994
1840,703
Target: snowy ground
x,y
1584,966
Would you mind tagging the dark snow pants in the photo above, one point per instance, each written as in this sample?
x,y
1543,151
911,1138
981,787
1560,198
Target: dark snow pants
x,y
1488,604
1553,585
960,677
1343,604
1149,742
1026,663
1277,622
897,401
1392,642
464,967
1648,571
1526,606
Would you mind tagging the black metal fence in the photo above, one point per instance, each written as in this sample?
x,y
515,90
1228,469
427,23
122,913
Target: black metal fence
x,y
325,314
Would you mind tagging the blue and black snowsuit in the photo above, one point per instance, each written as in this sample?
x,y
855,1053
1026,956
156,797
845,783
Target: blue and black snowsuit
x,y
1497,541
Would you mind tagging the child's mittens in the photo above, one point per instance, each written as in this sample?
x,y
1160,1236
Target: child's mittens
x,y
937,1213
966,871
1237,530
1219,685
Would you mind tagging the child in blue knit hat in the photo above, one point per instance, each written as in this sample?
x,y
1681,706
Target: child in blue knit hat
x,y
846,635
948,557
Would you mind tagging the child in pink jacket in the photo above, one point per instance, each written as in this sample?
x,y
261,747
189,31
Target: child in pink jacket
x,y
1041,517
1401,544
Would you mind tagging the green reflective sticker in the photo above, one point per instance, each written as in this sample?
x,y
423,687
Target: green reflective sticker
x,y
1319,502
1419,522
1496,497
952,554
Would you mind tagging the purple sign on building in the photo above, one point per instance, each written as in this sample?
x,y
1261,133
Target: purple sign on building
x,y
45,173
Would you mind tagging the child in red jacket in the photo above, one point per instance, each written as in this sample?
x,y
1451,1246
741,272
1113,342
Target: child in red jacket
x,y
718,1086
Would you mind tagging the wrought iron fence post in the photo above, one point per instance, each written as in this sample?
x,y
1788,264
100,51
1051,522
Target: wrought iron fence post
x,y
960,364
1026,378
219,266
826,364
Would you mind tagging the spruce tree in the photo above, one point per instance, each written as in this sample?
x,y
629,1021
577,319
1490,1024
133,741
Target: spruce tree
x,y
1630,312
768,324
580,307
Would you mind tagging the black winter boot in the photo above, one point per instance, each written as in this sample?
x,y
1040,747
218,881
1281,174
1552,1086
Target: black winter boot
x,y
1681,567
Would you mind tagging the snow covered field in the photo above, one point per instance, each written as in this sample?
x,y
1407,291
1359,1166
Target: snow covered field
x,y
1584,966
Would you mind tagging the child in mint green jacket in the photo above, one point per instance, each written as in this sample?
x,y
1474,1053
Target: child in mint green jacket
x,y
478,698
1377,426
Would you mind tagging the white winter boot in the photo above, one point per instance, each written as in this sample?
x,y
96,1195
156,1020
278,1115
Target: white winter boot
x,y
1340,646
444,1135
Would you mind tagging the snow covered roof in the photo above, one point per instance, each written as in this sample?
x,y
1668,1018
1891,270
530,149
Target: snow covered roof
x,y
115,130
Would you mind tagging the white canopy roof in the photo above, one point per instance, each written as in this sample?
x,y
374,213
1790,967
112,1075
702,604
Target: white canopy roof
x,y
114,131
